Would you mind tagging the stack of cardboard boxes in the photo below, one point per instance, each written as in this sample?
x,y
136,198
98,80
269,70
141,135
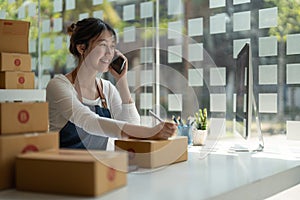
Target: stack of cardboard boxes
x,y
30,158
15,63
23,125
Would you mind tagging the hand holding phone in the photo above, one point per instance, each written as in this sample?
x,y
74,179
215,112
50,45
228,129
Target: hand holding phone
x,y
118,64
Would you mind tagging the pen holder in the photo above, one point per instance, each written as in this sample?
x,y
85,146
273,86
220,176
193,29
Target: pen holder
x,y
185,130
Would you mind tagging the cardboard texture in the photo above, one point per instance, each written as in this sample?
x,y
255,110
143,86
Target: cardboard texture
x,y
23,117
15,62
16,80
154,153
72,172
14,36
12,145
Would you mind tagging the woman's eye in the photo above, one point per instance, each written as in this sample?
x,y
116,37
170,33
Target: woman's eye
x,y
102,45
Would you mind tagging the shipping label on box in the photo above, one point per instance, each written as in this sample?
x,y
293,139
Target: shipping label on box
x,y
23,117
154,153
16,80
14,36
13,145
15,62
72,172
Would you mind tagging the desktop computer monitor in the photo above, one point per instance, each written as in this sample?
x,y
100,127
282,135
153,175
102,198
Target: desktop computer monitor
x,y
245,101
244,90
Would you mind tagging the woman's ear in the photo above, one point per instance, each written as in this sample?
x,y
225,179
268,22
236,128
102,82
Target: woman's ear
x,y
80,48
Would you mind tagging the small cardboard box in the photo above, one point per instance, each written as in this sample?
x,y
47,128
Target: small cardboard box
x,y
12,145
16,80
154,153
14,36
72,172
23,117
15,62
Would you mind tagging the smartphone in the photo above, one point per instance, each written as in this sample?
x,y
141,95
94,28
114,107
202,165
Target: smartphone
x,y
118,64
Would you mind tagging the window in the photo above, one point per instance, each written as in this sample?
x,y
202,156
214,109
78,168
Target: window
x,y
183,57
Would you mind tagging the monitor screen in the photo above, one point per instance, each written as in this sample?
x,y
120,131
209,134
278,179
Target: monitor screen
x,y
245,104
242,90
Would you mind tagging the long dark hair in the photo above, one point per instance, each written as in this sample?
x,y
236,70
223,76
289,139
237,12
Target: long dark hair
x,y
84,31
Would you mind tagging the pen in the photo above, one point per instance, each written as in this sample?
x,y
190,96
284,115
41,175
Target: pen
x,y
155,116
180,121
174,119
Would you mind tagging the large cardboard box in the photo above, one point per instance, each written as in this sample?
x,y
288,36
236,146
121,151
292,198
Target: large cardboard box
x,y
154,153
72,172
12,145
14,36
15,62
23,117
16,80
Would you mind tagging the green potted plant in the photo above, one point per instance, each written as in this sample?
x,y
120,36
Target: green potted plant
x,y
199,131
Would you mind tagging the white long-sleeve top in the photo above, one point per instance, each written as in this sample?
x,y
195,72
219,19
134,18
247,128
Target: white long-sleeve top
x,y
65,105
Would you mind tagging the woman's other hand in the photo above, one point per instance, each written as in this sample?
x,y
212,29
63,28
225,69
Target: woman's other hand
x,y
163,131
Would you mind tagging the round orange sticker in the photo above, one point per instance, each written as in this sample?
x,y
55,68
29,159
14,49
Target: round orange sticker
x,y
17,62
111,174
21,80
23,116
30,148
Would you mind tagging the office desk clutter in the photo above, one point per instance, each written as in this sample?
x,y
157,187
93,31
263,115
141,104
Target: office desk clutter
x,y
194,128
184,128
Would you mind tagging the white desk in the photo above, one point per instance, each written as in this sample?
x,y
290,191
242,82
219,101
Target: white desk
x,y
217,176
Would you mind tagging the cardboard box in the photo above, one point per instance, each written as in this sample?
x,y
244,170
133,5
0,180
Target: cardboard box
x,y
14,36
15,62
12,145
72,172
16,80
154,153
23,117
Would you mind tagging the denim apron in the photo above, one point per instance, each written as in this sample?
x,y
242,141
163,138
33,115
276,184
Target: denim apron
x,y
71,136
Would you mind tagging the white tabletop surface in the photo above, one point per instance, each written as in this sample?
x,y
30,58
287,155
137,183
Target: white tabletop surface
x,y
218,175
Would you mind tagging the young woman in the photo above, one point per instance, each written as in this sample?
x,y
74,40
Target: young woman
x,y
86,110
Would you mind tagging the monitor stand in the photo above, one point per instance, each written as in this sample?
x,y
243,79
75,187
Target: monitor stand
x,y
247,147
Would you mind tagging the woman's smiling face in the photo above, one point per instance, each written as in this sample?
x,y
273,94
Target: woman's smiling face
x,y
101,52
